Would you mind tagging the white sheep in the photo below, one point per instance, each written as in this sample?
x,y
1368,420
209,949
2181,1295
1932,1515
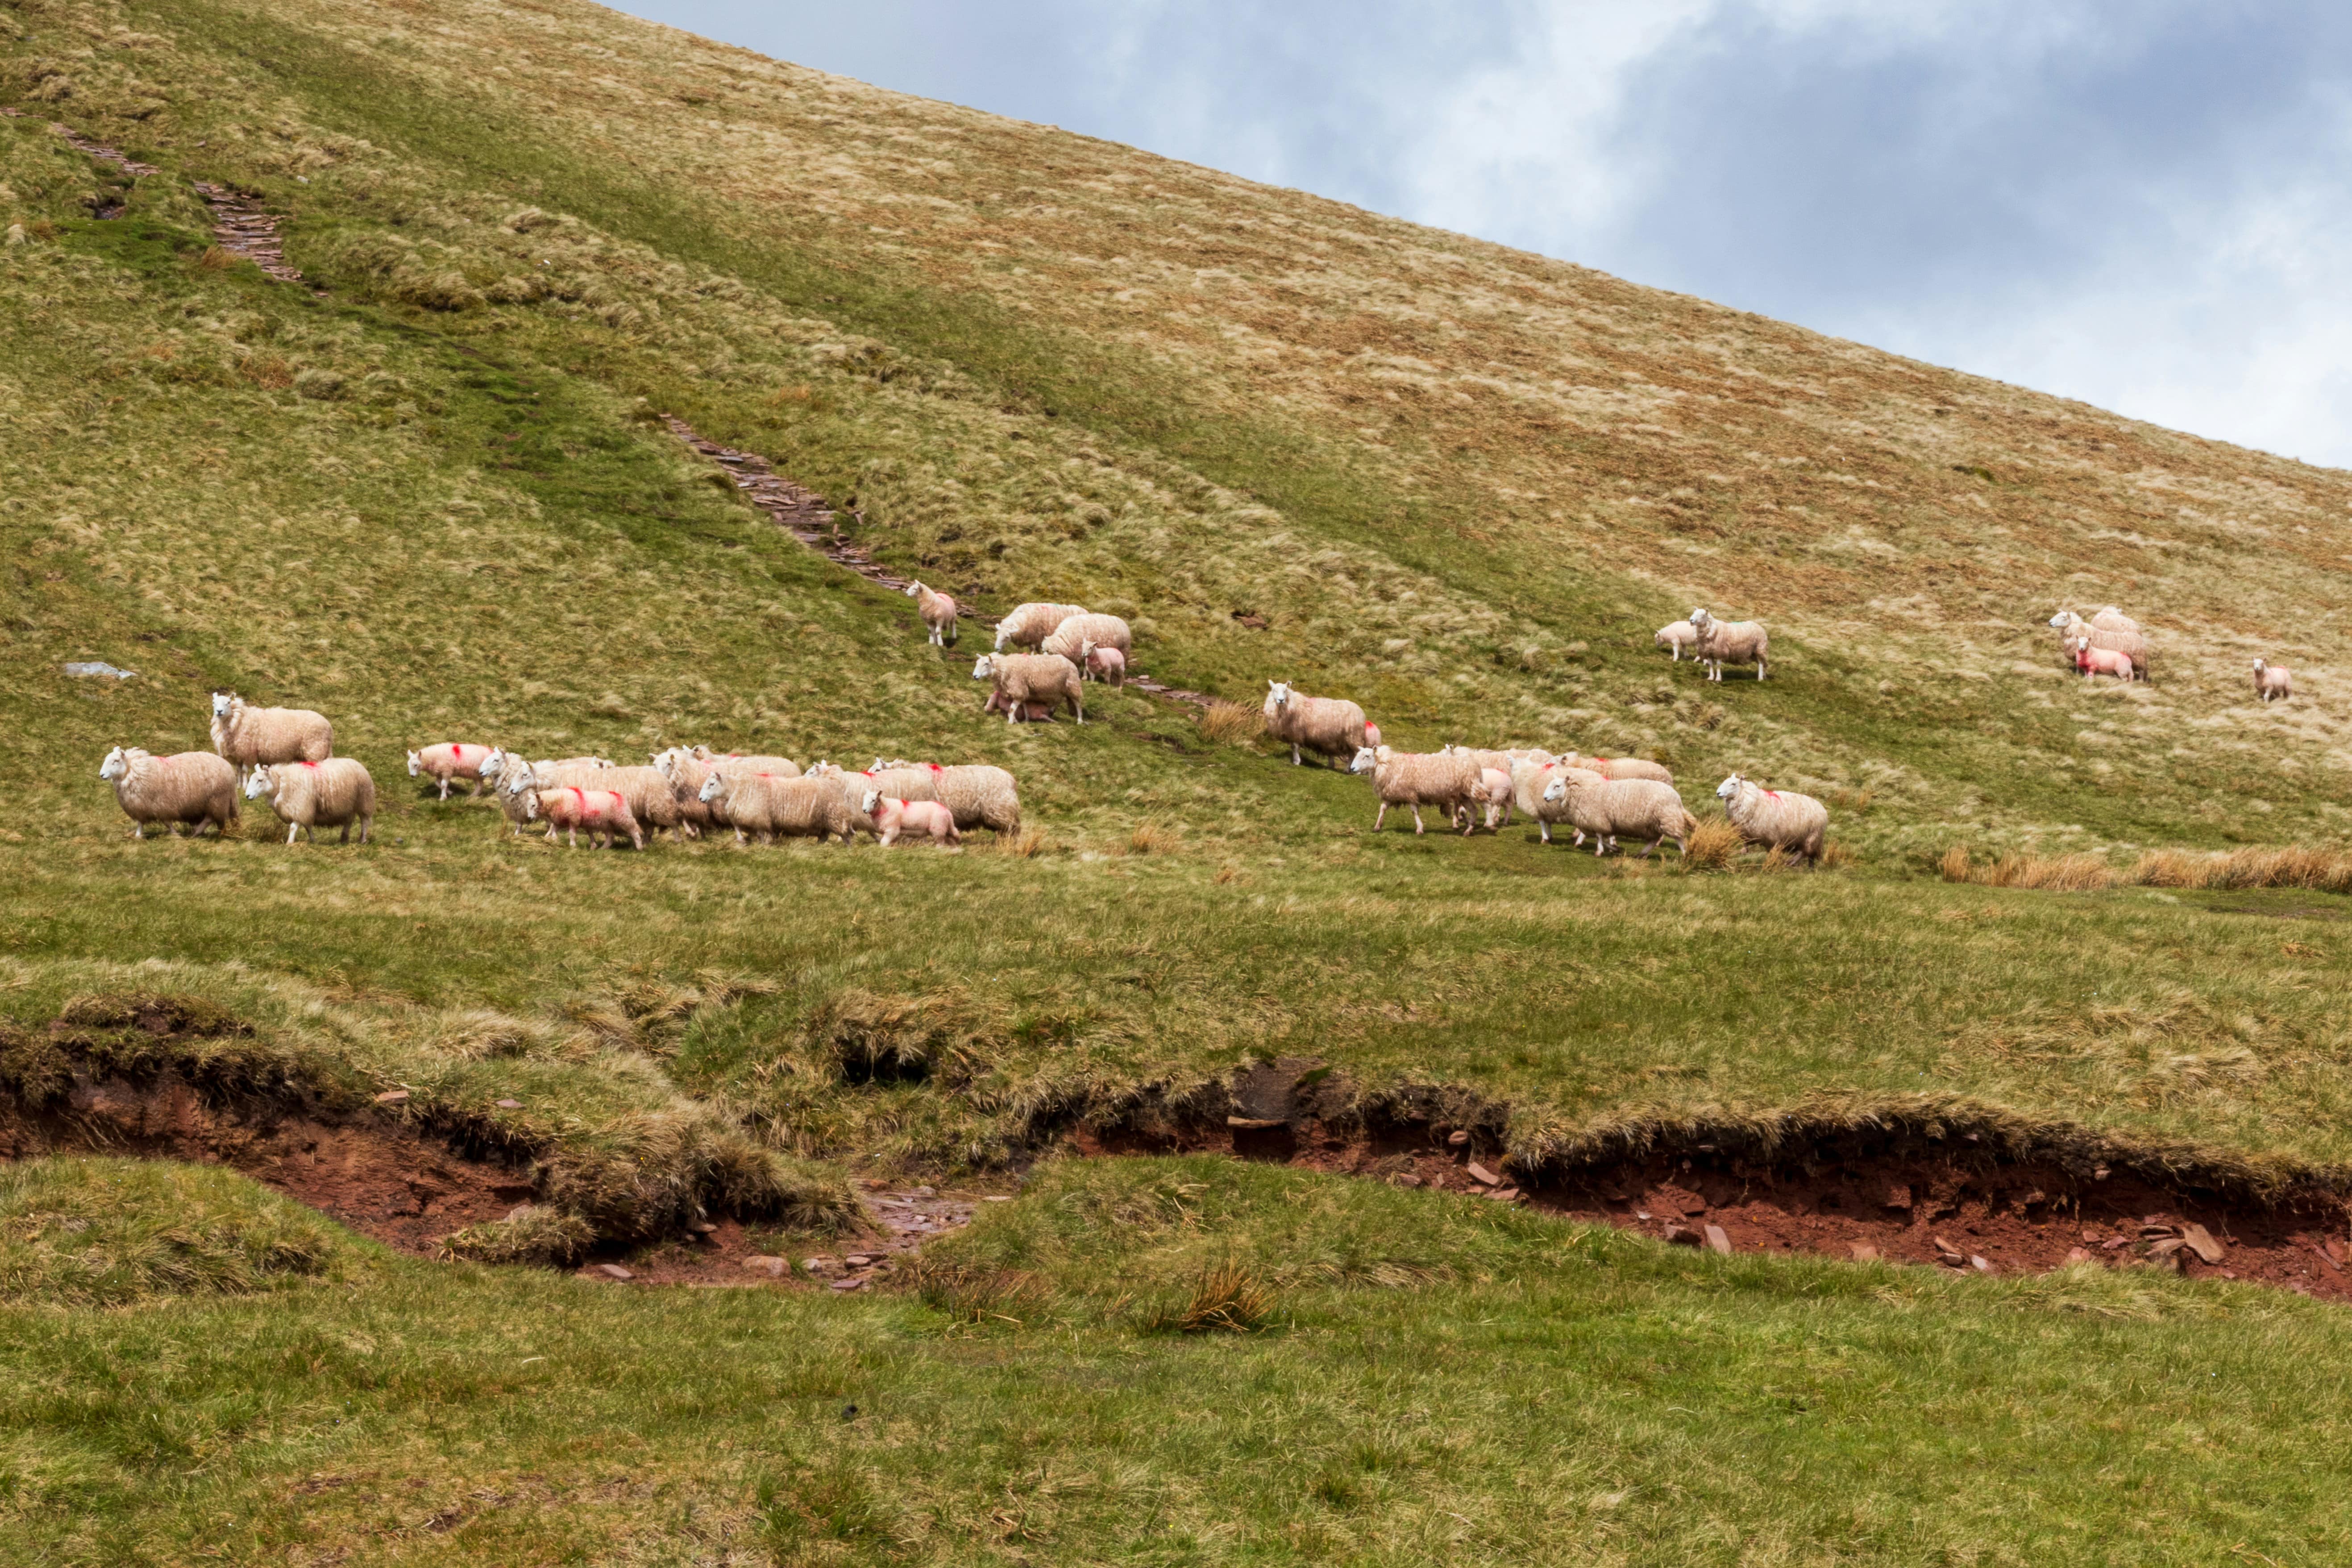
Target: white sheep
x,y
892,817
1030,625
249,736
1676,635
1070,638
766,806
2272,681
308,796
2072,628
1528,781
2112,619
938,612
1027,678
1107,665
1620,767
1610,809
603,813
448,760
1330,727
186,787
980,795
1719,643
1494,792
1778,819
1412,779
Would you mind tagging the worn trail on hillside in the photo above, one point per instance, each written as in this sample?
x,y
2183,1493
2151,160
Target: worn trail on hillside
x,y
241,226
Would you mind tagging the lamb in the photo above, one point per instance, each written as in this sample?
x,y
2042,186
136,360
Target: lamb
x,y
980,794
1107,665
1729,642
1634,808
1030,625
249,737
2093,661
513,790
1778,819
1495,791
451,760
765,806
184,788
1412,779
603,813
1330,727
1620,767
2273,681
1676,635
1027,713
2071,627
938,612
892,817
308,796
1528,780
1025,678
1070,638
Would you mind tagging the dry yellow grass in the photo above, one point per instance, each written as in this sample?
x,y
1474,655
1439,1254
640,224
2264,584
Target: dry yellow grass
x,y
1231,723
1713,844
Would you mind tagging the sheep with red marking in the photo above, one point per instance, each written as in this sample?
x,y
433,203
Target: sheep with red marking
x,y
448,761
980,794
308,796
2093,661
1775,818
1529,779
602,814
2272,682
892,817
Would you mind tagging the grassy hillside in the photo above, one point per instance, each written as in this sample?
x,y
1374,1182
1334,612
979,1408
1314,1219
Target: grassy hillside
x,y
430,492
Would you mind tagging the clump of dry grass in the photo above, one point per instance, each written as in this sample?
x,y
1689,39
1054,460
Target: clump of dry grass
x,y
2294,866
1713,845
1028,843
215,259
1231,723
1226,1299
1954,866
1152,838
533,1234
974,1296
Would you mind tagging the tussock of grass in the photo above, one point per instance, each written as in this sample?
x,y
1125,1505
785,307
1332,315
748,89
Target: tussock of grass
x,y
1231,723
2294,866
1153,838
1713,845
533,1234
1226,1299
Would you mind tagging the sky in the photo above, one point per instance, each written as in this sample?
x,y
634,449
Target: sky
x,y
2143,204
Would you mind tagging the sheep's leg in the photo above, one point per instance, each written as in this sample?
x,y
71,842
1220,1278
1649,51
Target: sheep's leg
x,y
1543,828
367,826
1295,760
1416,819
346,838
291,829
1377,817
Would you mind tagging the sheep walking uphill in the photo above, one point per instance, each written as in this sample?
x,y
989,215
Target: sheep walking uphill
x,y
450,760
1022,678
2272,682
1778,819
602,814
249,736
308,796
1719,643
1446,780
1030,625
938,614
186,787
1611,809
1330,727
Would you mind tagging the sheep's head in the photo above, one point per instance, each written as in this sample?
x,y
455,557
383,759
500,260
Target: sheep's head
x,y
873,798
1699,617
416,765
530,806
2061,618
1730,787
1366,759
986,668
262,781
1556,790
493,765
118,762
1277,694
222,702
522,779
2259,667
914,590
1004,630
711,786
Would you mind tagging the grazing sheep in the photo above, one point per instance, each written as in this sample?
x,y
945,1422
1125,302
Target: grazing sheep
x,y
1030,625
249,736
766,806
1613,808
1026,714
2072,628
1330,727
1412,779
603,813
1070,638
938,612
451,760
1107,665
1728,642
184,788
1529,779
1025,678
1676,635
308,796
2273,681
2111,619
1778,819
2093,661
892,817
1620,767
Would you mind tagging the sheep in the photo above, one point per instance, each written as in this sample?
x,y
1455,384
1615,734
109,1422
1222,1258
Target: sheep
x,y
249,736
2072,628
1620,767
1107,665
1494,792
1030,625
938,614
2273,681
1025,678
603,813
513,790
1028,712
1528,780
1070,638
1634,808
651,795
308,796
1778,819
980,794
451,760
184,788
2111,619
1729,642
765,806
501,763
1330,727
1414,780
2093,661
1676,635
892,817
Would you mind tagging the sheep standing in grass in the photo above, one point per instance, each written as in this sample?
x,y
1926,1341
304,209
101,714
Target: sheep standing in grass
x,y
2272,681
2093,661
2072,628
1025,678
980,795
451,760
766,807
308,796
1107,665
1023,712
1330,727
1030,625
1070,638
184,788
602,814
1620,767
893,817
512,787
1729,642
249,736
1445,780
1529,779
1778,819
1676,635
1496,793
1610,809
938,612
